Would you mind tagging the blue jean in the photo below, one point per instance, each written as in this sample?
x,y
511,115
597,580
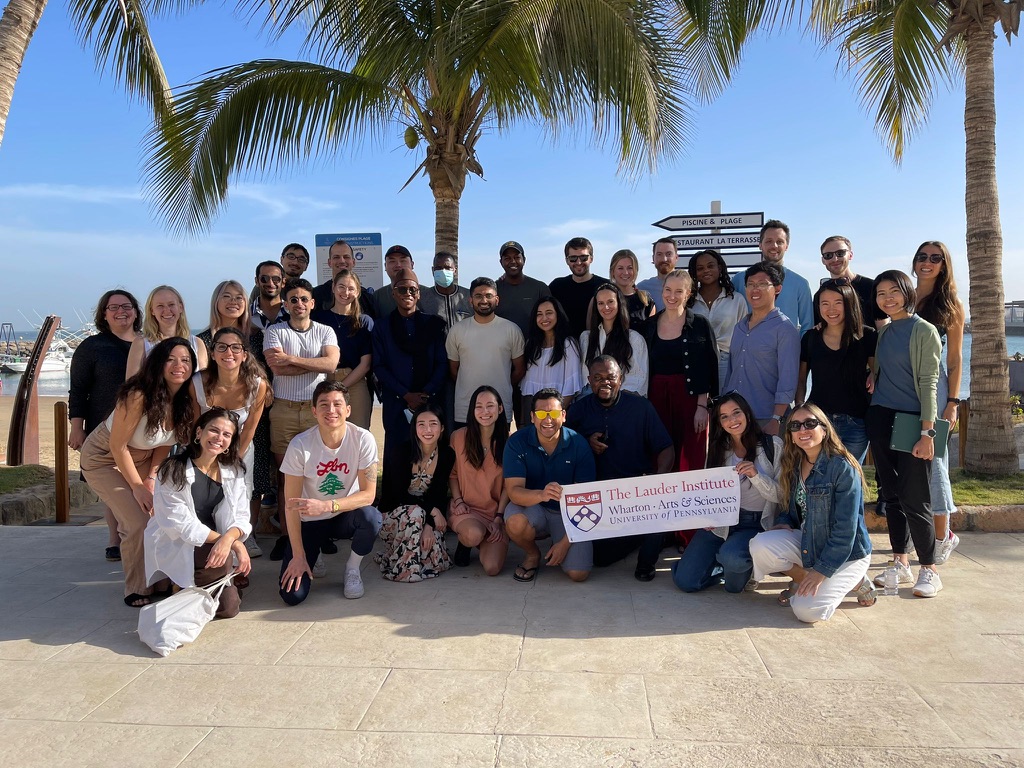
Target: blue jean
x,y
852,434
706,552
939,487
360,525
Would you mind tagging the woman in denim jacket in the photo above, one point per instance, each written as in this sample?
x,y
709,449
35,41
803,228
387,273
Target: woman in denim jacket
x,y
821,541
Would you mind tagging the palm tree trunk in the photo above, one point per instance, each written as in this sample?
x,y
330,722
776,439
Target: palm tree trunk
x,y
990,447
447,173
17,25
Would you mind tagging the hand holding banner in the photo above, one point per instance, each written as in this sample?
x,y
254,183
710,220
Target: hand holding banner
x,y
706,498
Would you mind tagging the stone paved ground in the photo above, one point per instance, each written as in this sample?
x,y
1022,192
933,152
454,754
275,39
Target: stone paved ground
x,y
472,671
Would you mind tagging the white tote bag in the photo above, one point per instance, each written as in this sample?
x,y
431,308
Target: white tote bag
x,y
169,624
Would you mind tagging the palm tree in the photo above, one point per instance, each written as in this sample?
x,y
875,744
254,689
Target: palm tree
x,y
898,50
116,29
440,75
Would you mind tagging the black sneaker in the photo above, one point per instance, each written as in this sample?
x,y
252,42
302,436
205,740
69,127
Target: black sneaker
x,y
644,573
277,553
329,548
462,555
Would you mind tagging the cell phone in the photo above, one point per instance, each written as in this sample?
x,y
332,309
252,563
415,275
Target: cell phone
x,y
408,415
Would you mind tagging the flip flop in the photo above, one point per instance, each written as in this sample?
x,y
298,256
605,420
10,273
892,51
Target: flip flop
x,y
529,574
135,600
113,554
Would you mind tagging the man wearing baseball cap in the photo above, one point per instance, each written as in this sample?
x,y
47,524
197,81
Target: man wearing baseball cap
x,y
396,258
517,293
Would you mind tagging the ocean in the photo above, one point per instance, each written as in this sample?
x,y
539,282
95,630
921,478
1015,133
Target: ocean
x,y
57,384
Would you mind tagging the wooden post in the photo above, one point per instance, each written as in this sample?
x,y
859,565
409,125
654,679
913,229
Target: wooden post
x,y
964,417
23,437
60,469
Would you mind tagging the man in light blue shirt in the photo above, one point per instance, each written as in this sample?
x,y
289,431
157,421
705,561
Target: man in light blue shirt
x,y
764,355
795,300
664,258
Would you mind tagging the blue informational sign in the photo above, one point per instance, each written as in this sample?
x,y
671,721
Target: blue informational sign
x,y
368,250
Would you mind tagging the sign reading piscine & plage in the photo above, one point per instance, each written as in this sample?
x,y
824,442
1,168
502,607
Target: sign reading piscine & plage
x,y
628,506
366,248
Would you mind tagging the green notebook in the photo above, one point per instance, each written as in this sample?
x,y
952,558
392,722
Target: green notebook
x,y
906,431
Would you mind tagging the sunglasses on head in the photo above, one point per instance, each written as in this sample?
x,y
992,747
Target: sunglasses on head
x,y
934,258
808,424
834,282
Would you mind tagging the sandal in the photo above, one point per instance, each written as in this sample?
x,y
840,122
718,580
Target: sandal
x,y
113,554
527,575
135,600
866,593
787,594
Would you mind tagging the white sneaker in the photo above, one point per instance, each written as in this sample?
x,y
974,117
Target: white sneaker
x,y
928,583
750,586
252,547
319,567
353,584
904,575
943,549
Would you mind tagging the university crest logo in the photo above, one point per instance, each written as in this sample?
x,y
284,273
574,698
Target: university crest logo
x,y
584,509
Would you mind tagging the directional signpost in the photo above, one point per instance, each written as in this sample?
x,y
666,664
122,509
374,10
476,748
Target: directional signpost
x,y
739,249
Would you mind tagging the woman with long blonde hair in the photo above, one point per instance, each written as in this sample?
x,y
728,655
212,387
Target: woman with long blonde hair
x,y
229,308
163,318
821,541
938,303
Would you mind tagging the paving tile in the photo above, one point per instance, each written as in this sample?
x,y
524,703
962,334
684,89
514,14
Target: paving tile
x,y
727,653
982,715
574,606
45,744
73,571
663,753
808,712
712,609
18,599
223,695
23,638
244,748
221,642
575,704
457,701
13,566
413,646
41,689
85,602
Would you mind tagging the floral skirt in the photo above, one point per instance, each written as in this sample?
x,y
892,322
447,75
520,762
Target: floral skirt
x,y
403,558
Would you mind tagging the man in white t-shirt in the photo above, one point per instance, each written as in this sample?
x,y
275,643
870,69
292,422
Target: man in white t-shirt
x,y
484,349
330,481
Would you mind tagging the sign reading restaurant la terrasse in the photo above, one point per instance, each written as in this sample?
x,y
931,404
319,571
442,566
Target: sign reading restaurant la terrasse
x,y
705,498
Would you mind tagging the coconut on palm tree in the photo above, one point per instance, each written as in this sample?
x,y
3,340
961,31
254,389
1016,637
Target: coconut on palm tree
x,y
117,31
439,76
898,51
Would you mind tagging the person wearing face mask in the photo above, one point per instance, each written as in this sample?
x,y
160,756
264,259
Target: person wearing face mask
x,y
446,298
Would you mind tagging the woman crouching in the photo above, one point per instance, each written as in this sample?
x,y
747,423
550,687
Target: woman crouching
x,y
821,541
201,512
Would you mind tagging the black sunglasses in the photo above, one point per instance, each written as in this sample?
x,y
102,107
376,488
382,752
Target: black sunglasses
x,y
808,424
834,282
934,258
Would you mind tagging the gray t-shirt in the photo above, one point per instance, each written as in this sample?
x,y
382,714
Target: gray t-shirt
x,y
515,302
485,352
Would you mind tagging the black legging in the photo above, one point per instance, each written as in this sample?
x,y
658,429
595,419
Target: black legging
x,y
903,486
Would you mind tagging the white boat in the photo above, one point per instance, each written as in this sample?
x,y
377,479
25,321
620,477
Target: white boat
x,y
56,360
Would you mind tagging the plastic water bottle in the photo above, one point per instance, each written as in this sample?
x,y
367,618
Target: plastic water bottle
x,y
892,581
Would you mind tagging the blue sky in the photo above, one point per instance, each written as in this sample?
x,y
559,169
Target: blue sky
x,y
787,138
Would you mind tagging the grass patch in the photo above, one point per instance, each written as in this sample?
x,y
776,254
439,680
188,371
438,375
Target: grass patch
x,y
972,490
15,478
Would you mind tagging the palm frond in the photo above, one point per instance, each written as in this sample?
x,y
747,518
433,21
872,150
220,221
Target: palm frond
x,y
259,117
118,33
892,49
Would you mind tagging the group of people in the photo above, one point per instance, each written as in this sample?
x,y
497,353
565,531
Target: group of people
x,y
184,437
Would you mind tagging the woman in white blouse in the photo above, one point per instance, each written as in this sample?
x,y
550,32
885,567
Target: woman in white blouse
x,y
718,301
552,355
610,334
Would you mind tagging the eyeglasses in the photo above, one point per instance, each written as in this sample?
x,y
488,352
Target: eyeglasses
x,y
760,286
271,279
829,255
834,282
405,290
126,307
808,424
934,258
553,414
576,259
222,347
300,300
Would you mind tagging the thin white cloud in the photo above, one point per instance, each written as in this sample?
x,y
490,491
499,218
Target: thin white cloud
x,y
279,205
575,228
71,192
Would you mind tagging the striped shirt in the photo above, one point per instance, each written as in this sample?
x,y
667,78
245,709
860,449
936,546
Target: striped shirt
x,y
310,343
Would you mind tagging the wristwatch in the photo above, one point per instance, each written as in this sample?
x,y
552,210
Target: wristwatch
x,y
928,433
777,418
953,400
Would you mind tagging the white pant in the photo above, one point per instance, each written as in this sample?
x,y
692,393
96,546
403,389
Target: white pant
x,y
776,551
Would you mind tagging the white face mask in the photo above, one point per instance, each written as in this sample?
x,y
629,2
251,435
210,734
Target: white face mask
x,y
444,277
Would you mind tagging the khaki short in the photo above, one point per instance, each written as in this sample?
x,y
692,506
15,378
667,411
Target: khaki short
x,y
287,419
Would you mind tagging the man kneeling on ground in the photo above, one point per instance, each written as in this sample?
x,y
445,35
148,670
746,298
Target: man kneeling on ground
x,y
538,461
330,479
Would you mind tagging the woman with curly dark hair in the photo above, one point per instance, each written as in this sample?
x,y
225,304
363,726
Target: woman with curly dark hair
x,y
552,355
717,301
119,459
200,512
610,334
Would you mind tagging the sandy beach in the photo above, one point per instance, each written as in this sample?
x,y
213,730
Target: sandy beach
x,y
46,437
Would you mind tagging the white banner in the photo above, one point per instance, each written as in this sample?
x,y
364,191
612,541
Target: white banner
x,y
628,506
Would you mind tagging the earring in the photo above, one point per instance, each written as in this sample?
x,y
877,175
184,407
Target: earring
x,y
196,440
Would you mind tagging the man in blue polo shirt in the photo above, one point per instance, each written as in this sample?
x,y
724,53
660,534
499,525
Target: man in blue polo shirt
x,y
629,440
538,461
